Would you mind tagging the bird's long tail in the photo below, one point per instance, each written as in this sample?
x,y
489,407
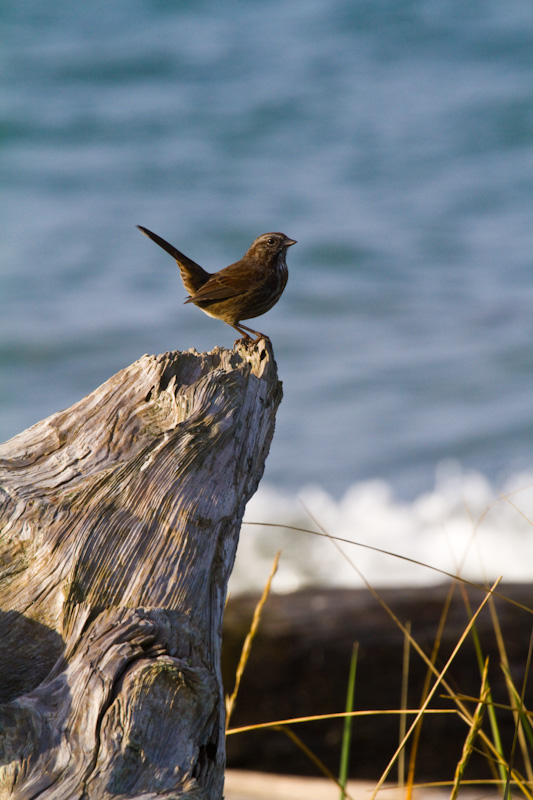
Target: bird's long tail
x,y
192,274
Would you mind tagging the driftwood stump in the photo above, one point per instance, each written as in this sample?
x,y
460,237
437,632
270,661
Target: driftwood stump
x,y
120,521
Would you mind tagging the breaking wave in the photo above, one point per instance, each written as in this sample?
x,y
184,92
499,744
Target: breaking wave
x,y
463,526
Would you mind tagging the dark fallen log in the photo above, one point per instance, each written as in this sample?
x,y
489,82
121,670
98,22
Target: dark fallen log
x,y
299,666
120,521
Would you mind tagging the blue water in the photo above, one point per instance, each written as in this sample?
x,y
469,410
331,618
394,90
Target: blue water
x,y
393,140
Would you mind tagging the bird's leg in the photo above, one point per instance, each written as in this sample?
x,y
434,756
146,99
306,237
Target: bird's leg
x,y
247,339
251,330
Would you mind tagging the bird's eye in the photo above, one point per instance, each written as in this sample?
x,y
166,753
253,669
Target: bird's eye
x,y
271,240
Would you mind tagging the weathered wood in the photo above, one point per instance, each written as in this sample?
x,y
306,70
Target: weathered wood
x,y
119,523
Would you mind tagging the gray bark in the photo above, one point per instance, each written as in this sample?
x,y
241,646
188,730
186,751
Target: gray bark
x,y
120,519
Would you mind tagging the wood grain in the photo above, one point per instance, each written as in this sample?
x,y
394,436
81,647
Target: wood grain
x,y
120,522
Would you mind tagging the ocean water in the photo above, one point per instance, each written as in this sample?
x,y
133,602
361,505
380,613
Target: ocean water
x,y
394,141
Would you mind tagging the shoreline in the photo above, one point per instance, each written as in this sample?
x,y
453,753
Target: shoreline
x,y
244,785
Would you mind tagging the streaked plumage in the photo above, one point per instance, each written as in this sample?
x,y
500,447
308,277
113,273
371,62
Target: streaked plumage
x,y
245,289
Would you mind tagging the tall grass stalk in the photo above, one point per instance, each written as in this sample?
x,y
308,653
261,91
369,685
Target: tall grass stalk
x,y
311,756
425,689
517,725
430,694
475,726
495,731
247,646
403,702
517,702
440,679
324,534
491,744
348,720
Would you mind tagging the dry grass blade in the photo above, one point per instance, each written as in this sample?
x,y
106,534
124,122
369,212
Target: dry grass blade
x,y
425,689
374,549
247,646
312,757
440,676
461,707
497,767
472,733
436,685
472,719
518,725
338,715
524,715
517,702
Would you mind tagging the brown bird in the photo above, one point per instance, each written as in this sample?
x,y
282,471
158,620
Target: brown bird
x,y
246,289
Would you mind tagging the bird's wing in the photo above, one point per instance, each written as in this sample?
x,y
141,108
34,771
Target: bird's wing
x,y
225,284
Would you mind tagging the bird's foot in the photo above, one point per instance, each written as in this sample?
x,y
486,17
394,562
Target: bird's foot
x,y
244,340
247,341
263,338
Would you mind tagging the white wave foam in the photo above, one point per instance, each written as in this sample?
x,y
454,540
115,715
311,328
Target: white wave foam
x,y
463,526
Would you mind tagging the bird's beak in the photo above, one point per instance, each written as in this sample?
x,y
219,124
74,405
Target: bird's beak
x,y
288,242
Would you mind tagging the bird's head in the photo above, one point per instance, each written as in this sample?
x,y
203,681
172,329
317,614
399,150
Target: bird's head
x,y
270,246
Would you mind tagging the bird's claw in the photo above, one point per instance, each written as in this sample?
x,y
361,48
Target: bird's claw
x,y
244,340
247,341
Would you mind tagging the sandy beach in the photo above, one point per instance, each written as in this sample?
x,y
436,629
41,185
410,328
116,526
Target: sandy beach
x,y
244,785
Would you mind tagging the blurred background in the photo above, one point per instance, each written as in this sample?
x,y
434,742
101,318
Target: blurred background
x,y
394,140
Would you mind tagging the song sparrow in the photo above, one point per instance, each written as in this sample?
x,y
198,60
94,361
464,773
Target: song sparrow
x,y
246,289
